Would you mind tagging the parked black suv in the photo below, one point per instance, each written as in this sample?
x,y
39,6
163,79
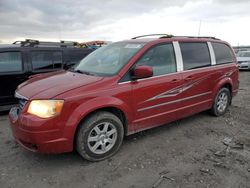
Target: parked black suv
x,y
22,59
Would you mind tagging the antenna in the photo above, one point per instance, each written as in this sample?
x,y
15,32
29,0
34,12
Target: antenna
x,y
199,30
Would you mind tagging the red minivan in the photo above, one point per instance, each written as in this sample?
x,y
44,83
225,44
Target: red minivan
x,y
123,88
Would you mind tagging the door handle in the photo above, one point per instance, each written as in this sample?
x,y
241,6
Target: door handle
x,y
174,81
188,78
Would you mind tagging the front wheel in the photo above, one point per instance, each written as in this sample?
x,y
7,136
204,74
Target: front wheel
x,y
221,102
99,136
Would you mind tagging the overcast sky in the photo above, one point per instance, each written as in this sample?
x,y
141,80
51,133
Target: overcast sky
x,y
114,20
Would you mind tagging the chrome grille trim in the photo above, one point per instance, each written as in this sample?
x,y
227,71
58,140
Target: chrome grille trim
x,y
22,103
19,96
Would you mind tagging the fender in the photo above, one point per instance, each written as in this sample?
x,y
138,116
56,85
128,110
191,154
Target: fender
x,y
92,105
220,83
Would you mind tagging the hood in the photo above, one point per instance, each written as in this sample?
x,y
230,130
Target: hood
x,y
240,59
46,86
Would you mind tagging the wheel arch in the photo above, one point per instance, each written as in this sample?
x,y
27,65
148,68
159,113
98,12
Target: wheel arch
x,y
121,110
114,110
227,83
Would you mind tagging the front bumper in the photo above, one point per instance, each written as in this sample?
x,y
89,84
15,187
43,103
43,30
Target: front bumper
x,y
244,66
38,135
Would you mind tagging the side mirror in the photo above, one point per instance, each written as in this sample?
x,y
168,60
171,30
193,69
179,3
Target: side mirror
x,y
143,71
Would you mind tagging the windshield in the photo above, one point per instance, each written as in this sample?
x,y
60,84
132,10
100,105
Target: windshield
x,y
108,60
243,54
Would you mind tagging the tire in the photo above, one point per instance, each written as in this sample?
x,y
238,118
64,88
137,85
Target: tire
x,y
221,102
99,136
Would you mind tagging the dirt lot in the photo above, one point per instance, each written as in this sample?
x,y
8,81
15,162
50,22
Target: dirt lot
x,y
186,153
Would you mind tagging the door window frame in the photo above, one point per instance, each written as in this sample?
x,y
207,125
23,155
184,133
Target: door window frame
x,y
177,64
209,53
179,60
212,59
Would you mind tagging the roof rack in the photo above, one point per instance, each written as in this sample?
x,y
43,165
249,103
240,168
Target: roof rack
x,y
163,35
171,36
33,43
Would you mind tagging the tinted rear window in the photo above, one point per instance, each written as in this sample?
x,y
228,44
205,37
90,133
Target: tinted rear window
x,y
46,60
223,53
10,62
195,55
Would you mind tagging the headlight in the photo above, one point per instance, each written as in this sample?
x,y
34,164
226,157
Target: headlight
x,y
45,108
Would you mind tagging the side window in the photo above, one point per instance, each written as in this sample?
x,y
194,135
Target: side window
x,y
10,62
161,58
73,57
46,60
195,55
57,60
223,53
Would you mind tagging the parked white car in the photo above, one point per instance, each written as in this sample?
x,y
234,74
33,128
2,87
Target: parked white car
x,y
243,58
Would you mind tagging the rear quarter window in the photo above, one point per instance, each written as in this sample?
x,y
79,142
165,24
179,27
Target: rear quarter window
x,y
195,55
10,62
223,54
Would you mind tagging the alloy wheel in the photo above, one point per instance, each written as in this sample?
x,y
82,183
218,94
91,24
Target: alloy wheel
x,y
222,102
102,138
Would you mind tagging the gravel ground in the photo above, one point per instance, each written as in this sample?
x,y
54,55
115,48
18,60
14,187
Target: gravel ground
x,y
185,153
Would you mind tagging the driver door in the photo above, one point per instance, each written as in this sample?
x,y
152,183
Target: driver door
x,y
156,99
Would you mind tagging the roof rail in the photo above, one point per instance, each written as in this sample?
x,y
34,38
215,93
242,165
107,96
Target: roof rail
x,y
206,37
65,42
33,43
171,36
163,35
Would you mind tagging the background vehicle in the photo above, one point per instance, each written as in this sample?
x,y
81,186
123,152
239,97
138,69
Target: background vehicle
x,y
241,48
25,58
95,44
123,88
243,59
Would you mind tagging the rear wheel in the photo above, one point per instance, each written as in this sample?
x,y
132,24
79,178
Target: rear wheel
x,y
221,102
99,136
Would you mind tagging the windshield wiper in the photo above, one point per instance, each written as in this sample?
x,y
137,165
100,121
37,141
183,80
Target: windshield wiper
x,y
83,72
